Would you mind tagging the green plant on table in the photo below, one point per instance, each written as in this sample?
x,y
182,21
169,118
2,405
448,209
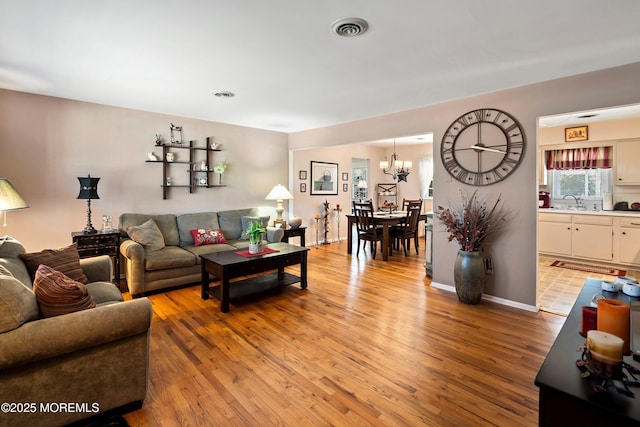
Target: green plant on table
x,y
255,232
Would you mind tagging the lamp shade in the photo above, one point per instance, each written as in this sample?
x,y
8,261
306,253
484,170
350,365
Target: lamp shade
x,y
9,197
362,184
279,192
88,188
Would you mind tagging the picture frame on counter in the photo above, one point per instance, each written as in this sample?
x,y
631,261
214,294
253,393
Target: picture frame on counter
x,y
577,133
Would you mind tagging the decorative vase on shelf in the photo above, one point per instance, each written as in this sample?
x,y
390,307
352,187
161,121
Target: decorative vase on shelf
x,y
295,222
469,276
255,248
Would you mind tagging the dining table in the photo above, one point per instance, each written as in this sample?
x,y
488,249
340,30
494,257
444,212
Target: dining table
x,y
386,220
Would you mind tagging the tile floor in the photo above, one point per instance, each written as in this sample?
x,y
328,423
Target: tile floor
x,y
558,287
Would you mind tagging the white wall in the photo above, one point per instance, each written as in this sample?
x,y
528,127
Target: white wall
x,y
46,143
514,251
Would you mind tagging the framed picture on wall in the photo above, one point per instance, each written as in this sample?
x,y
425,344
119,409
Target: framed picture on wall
x,y
303,187
579,133
302,175
345,188
324,179
345,176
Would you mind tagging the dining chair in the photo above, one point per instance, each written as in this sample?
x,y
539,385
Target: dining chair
x,y
408,230
407,202
366,227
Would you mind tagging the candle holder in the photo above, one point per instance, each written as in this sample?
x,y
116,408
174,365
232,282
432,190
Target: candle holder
x,y
318,218
338,210
325,217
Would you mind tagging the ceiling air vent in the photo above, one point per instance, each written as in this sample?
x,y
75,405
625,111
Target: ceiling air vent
x,y
349,27
224,94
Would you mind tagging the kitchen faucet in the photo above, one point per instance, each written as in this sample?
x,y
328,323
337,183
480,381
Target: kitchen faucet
x,y
578,200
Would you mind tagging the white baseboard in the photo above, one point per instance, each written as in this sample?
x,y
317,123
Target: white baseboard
x,y
491,298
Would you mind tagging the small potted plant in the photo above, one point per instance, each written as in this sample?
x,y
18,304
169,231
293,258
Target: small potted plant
x,y
255,232
219,169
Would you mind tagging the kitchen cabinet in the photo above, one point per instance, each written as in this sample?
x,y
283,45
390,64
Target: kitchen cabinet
x,y
592,237
627,155
554,234
576,236
613,238
542,169
629,241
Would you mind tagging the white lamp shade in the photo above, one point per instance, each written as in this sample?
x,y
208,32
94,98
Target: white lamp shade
x,y
384,164
408,164
279,192
362,184
9,197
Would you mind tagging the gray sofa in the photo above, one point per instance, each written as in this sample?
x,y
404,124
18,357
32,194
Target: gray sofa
x,y
97,357
178,262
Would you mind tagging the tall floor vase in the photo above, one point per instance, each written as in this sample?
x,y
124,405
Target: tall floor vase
x,y
468,276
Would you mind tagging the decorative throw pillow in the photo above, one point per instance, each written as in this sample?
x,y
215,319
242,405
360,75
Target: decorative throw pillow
x,y
65,260
246,220
148,235
203,236
58,294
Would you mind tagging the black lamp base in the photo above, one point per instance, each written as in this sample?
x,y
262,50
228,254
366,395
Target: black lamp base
x,y
89,230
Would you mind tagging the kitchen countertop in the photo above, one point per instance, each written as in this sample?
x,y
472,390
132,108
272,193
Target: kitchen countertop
x,y
590,212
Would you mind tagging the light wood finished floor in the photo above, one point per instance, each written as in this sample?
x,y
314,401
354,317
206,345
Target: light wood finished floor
x,y
368,343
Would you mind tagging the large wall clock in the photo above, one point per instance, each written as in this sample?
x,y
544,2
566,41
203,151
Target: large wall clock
x,y
482,147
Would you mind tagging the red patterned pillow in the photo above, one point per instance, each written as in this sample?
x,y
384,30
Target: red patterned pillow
x,y
65,260
58,294
202,236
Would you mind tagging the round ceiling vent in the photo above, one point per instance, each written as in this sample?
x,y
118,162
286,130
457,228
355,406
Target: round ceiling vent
x,y
224,94
349,27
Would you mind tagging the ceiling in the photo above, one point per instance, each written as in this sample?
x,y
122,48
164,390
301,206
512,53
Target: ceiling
x,y
288,70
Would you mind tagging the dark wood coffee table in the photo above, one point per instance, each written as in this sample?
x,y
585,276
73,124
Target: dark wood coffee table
x,y
228,265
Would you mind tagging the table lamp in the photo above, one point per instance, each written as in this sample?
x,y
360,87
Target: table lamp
x,y
88,191
10,199
279,193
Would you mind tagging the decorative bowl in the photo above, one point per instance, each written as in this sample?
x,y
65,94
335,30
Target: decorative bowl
x,y
295,222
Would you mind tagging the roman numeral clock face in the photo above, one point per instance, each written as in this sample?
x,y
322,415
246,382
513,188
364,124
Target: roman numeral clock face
x,y
482,147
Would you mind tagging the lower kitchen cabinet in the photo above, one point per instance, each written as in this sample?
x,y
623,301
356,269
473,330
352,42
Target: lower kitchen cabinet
x,y
554,234
614,239
629,241
592,237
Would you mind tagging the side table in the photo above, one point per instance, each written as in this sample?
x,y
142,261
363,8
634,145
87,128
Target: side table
x,y
294,232
100,243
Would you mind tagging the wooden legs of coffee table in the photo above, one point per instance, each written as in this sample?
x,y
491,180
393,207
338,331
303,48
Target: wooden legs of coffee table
x,y
209,267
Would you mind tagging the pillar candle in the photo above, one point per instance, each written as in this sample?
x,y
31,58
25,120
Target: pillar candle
x,y
589,320
614,318
606,344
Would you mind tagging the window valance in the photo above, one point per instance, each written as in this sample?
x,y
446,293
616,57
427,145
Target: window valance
x,y
578,158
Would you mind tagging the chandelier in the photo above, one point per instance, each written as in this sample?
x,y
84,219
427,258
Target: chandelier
x,y
398,169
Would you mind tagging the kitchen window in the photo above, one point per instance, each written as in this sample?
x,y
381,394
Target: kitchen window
x,y
587,184
583,172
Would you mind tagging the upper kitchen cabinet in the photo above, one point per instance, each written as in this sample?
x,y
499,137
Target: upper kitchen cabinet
x,y
627,166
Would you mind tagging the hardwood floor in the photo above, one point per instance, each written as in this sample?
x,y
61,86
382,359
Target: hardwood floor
x,y
368,343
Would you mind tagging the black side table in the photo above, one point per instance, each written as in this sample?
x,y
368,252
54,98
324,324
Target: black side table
x,y
100,243
294,232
